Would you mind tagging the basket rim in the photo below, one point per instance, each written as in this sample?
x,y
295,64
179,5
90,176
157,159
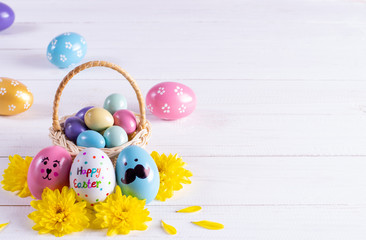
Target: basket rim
x,y
140,137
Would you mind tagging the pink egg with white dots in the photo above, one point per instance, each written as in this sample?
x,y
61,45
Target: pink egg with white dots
x,y
171,100
49,168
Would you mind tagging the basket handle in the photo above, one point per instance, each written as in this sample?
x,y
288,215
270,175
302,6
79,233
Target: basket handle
x,y
55,119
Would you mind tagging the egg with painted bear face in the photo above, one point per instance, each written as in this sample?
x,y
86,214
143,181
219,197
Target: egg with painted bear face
x,y
137,173
92,176
49,168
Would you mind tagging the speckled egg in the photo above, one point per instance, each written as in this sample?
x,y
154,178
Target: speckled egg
x,y
137,173
115,102
15,97
90,138
92,175
115,136
98,119
49,168
66,49
171,100
7,16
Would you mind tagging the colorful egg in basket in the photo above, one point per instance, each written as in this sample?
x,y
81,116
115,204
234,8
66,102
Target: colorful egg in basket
x,y
57,134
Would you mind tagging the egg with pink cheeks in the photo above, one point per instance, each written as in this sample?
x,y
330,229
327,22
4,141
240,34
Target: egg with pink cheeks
x,y
171,100
49,168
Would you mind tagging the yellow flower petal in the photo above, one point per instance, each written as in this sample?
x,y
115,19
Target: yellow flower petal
x,y
190,209
209,225
121,214
58,213
168,228
15,176
3,225
172,174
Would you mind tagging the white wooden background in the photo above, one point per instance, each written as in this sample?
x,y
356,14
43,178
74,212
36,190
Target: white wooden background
x,y
277,144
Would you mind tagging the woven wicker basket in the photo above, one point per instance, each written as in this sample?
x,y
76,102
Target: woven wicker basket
x,y
140,137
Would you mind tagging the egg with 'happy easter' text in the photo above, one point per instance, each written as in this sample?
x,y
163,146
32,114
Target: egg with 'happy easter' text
x,y
92,175
66,49
15,97
137,173
171,100
49,168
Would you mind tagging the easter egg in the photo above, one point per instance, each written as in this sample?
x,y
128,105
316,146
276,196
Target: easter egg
x,y
137,173
171,100
6,16
73,127
126,120
98,119
92,175
66,50
115,102
49,168
15,97
82,112
90,138
115,136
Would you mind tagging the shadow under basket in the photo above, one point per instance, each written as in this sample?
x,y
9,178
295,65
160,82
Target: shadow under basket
x,y
140,137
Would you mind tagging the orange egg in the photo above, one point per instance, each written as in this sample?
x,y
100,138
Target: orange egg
x,y
15,97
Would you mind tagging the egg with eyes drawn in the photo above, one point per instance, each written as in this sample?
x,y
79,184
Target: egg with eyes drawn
x,y
49,168
137,173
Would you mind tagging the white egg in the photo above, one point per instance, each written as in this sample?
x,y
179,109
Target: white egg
x,y
92,176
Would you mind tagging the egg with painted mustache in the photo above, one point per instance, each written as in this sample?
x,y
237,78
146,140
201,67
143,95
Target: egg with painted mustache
x,y
137,173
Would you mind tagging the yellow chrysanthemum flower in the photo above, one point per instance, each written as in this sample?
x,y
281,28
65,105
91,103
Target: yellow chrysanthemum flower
x,y
15,176
121,214
59,213
172,174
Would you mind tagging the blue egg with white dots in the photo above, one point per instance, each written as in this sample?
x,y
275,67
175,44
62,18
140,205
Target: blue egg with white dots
x,y
66,50
137,173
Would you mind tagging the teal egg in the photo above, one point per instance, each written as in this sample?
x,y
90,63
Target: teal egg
x,y
115,136
90,138
137,173
115,102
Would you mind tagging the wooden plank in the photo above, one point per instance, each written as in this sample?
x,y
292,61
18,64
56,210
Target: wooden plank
x,y
280,222
260,38
255,119
247,181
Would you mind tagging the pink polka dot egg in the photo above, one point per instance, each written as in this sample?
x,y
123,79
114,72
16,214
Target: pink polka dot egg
x,y
171,100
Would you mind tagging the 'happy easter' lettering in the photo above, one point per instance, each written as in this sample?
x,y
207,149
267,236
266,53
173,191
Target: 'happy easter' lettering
x,y
88,184
89,172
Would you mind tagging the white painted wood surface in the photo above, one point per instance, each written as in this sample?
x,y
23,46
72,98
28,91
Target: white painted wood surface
x,y
277,144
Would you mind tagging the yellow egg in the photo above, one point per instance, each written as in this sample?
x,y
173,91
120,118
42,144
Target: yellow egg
x,y
98,119
15,97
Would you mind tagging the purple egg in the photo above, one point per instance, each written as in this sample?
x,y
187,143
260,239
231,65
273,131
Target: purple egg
x,y
73,127
82,112
6,16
